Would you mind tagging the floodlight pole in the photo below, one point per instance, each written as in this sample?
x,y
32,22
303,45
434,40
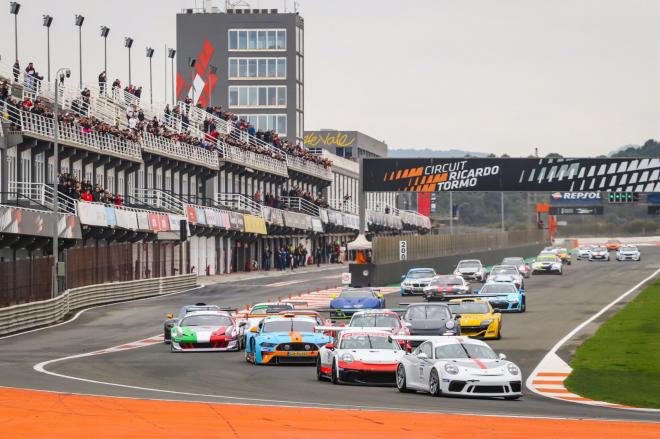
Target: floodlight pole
x,y
451,212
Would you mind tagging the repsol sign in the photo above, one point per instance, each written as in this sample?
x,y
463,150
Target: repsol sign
x,y
575,199
581,178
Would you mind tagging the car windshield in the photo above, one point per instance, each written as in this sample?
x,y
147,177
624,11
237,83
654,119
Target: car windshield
x,y
188,309
289,325
614,241
206,320
430,312
420,274
599,249
356,294
585,248
547,258
503,270
469,265
375,321
468,308
464,350
270,309
367,341
629,249
513,261
447,280
497,289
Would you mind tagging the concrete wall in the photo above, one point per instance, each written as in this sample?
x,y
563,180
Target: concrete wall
x,y
389,273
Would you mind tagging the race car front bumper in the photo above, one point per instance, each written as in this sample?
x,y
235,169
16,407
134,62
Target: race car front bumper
x,y
344,313
410,291
482,386
480,331
503,305
367,373
289,357
180,346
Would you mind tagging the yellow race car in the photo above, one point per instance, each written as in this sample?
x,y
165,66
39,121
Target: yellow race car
x,y
477,318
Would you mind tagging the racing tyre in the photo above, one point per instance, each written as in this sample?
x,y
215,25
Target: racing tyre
x,y
319,375
334,378
434,383
499,332
401,379
523,307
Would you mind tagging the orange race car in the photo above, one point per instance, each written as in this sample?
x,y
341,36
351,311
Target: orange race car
x,y
613,245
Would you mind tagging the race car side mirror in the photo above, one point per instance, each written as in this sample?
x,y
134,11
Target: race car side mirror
x,y
254,329
380,296
330,346
242,323
170,315
408,324
422,356
502,357
457,316
403,276
333,296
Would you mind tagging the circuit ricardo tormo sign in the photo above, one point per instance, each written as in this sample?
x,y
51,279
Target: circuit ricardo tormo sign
x,y
512,174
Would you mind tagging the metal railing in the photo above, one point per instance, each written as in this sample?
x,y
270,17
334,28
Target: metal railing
x,y
42,194
308,167
240,202
344,205
159,200
301,205
73,135
178,150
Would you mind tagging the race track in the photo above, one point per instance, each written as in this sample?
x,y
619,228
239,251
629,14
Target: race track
x,y
555,305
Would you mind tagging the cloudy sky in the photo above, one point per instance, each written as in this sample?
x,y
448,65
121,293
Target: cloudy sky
x,y
576,77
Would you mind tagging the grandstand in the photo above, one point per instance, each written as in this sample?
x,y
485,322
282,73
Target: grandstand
x,y
132,174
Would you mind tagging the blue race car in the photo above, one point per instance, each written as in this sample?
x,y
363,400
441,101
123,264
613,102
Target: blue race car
x,y
351,300
285,339
415,280
503,296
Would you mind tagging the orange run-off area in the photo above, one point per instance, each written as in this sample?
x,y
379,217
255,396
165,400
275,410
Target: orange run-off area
x,y
37,414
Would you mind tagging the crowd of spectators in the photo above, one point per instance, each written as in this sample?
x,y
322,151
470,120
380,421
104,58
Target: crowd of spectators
x,y
254,138
70,186
296,192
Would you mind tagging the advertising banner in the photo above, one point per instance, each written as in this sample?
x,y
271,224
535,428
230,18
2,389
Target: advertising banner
x,y
201,217
587,210
92,214
324,216
126,219
576,199
236,221
34,223
110,215
191,213
654,198
511,174
254,224
224,220
143,220
317,226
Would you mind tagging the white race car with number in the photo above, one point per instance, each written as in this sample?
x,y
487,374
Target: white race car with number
x,y
446,365
359,355
628,253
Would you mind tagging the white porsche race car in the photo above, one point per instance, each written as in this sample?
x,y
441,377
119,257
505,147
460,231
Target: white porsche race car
x,y
359,355
628,253
460,366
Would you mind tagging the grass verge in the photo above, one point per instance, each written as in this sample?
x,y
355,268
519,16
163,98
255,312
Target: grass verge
x,y
621,362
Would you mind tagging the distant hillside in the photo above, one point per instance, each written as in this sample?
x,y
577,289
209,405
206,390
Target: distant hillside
x,y
433,153
650,149
622,148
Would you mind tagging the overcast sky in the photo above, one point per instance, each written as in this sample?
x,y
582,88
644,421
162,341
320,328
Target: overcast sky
x,y
578,77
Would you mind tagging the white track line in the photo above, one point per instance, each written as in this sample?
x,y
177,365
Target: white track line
x,y
553,364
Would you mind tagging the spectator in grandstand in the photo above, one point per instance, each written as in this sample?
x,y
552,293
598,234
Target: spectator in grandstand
x,y
31,77
16,70
257,196
102,81
4,91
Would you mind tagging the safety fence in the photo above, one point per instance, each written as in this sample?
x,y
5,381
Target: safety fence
x,y
45,312
390,248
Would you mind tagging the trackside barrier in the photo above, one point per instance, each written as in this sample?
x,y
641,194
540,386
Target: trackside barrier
x,y
31,315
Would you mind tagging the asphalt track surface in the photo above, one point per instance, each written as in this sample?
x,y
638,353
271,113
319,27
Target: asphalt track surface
x,y
555,305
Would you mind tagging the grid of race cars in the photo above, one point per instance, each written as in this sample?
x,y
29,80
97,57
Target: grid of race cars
x,y
435,346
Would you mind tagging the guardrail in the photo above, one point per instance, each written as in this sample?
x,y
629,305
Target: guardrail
x,y
178,150
159,199
301,205
240,202
386,248
308,167
31,315
42,194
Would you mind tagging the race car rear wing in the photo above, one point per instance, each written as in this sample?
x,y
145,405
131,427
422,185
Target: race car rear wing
x,y
420,337
354,328
475,296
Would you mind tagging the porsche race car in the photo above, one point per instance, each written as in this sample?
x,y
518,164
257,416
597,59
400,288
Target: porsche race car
x,y
359,355
458,366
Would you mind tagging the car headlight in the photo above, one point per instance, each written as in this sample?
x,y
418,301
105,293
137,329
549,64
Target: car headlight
x,y
487,322
450,324
268,345
513,369
451,369
457,273
346,358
